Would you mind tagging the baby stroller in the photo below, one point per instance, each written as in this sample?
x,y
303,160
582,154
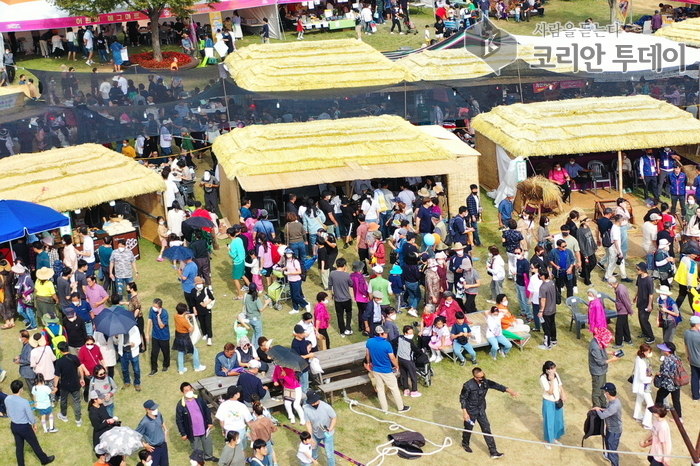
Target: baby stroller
x,y
187,191
423,368
279,291
410,25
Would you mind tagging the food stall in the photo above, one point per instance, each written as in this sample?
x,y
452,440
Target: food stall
x,y
92,186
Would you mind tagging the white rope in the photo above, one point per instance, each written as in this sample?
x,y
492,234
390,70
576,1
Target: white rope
x,y
386,449
352,403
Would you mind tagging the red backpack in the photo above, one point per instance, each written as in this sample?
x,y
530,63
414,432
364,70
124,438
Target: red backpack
x,y
276,256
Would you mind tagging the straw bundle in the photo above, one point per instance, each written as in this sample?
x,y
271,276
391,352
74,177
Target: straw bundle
x,y
686,32
75,177
539,189
556,221
587,125
325,144
445,65
313,65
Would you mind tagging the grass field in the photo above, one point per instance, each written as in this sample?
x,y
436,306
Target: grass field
x,y
357,435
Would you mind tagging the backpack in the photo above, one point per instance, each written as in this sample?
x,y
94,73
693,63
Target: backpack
x,y
606,240
680,377
54,340
275,253
450,232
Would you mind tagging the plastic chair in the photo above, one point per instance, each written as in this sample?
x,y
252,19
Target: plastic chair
x,y
599,175
273,214
574,304
609,313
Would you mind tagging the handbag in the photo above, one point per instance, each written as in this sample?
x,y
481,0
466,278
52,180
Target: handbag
x,y
196,334
657,380
631,379
559,403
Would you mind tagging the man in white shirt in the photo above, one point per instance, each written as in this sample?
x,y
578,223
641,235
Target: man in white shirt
x,y
367,18
649,232
123,84
89,45
234,415
166,138
615,251
104,89
88,252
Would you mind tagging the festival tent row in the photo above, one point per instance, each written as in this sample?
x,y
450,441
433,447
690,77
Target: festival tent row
x,y
576,127
83,181
291,155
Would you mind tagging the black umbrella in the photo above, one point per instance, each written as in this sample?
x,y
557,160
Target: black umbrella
x,y
114,321
288,358
178,253
199,222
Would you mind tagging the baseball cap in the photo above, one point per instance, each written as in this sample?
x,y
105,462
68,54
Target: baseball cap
x,y
695,320
254,364
69,312
93,395
609,387
377,294
643,266
379,330
654,216
298,329
150,405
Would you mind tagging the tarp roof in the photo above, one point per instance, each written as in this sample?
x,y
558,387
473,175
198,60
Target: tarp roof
x,y
587,125
290,155
686,32
75,177
313,66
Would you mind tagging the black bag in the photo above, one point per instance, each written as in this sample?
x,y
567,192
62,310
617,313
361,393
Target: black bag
x,y
594,425
393,257
559,403
408,443
657,380
606,240
631,379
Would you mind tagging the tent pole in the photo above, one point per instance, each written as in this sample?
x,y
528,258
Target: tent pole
x,y
405,103
619,173
279,21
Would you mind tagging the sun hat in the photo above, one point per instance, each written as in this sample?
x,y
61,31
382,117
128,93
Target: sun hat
x,y
44,273
664,347
422,192
457,246
395,269
664,290
663,243
312,397
18,269
377,294
254,364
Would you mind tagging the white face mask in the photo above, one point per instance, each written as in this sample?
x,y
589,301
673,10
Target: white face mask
x,y
147,463
20,340
154,412
460,252
691,201
505,303
440,261
89,346
392,317
591,298
75,304
121,249
325,301
72,319
189,395
161,223
559,169
199,286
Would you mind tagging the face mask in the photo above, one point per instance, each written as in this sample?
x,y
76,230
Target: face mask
x,y
325,301
505,303
121,249
564,234
147,463
72,319
691,201
189,395
154,412
392,317
519,256
75,304
316,406
559,169
20,340
591,298
199,286
460,253
440,261
546,223
161,223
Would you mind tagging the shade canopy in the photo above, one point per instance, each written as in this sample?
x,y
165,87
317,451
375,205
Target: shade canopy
x,y
686,32
75,177
19,218
288,155
313,66
587,125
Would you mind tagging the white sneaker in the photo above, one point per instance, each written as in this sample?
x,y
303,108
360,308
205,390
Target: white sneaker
x,y
432,358
294,311
182,371
547,446
204,337
244,288
208,341
412,313
62,417
308,307
200,369
292,421
3,375
348,332
438,358
576,290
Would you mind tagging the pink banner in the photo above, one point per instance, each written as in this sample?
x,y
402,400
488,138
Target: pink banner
x,y
75,21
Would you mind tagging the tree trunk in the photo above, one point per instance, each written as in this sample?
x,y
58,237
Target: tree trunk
x,y
155,35
614,11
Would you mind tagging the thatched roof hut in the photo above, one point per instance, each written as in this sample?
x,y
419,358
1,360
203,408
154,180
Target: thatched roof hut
x,y
325,65
75,177
579,126
445,65
290,155
686,32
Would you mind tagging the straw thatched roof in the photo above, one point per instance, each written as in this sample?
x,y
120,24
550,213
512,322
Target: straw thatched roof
x,y
75,177
687,32
313,66
587,125
289,155
443,65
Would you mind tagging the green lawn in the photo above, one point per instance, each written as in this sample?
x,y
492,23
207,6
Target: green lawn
x,y
357,435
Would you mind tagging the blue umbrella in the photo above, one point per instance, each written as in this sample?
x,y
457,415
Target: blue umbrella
x,y
20,218
114,321
178,253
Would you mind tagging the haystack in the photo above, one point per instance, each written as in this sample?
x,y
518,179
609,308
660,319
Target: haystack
x,y
445,65
75,177
325,65
538,189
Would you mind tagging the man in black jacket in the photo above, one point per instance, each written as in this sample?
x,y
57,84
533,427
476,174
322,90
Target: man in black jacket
x,y
473,401
193,419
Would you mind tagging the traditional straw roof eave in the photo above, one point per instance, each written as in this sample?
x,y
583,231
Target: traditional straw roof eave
x,y
299,154
587,125
686,32
75,177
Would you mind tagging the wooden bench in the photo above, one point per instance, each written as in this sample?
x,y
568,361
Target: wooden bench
x,y
343,384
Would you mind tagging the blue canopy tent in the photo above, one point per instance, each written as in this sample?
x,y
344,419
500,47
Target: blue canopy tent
x,y
18,218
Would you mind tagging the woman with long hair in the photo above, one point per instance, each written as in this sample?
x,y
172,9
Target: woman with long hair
x,y
553,398
313,220
641,385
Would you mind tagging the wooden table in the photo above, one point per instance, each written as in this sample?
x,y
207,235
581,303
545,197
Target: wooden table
x,y
479,319
337,363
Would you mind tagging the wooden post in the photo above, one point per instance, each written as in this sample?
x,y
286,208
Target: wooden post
x,y
619,174
688,444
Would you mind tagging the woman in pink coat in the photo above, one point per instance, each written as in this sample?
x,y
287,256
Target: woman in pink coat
x,y
596,311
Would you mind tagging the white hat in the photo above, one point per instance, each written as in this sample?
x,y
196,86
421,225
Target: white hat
x,y
663,243
664,290
254,364
654,216
379,269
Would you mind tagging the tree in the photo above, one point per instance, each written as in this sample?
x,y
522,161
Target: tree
x,y
151,8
